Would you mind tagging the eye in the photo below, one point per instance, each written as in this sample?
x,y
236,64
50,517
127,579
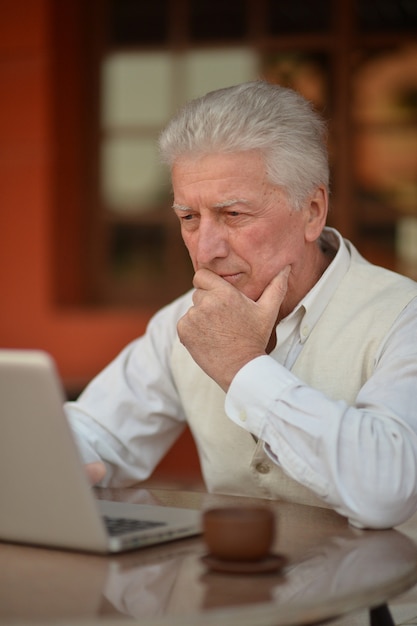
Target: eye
x,y
188,221
184,217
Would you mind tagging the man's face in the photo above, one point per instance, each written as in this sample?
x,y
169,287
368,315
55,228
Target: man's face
x,y
236,223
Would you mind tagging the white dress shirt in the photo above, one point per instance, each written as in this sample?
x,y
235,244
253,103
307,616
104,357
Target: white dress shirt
x,y
130,414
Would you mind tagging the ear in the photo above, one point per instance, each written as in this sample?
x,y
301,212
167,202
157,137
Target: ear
x,y
316,213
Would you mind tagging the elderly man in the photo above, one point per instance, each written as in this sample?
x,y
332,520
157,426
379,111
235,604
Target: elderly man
x,y
293,360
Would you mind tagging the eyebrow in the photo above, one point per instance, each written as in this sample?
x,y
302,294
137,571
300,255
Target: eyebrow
x,y
231,202
217,205
180,207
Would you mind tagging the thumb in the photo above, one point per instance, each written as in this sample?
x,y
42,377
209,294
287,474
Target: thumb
x,y
274,293
95,471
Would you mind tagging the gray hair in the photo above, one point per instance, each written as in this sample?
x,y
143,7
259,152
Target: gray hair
x,y
257,115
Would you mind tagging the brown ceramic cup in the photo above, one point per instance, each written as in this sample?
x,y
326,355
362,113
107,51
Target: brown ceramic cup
x,y
239,533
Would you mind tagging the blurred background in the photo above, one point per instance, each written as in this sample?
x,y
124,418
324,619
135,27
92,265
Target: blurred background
x,y
89,247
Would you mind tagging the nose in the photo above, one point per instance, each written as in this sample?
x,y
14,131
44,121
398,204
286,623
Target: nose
x,y
211,241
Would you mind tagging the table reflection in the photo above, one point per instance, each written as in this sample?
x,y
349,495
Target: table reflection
x,y
335,568
331,568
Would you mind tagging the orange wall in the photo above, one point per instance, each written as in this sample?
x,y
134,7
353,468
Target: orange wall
x,y
82,341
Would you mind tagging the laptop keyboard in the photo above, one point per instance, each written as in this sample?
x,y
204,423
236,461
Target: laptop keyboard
x,y
121,525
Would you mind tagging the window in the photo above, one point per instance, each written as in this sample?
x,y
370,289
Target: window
x,y
355,59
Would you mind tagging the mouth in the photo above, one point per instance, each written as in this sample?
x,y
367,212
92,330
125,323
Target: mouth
x,y
231,278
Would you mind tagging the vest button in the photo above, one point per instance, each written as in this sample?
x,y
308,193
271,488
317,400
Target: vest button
x,y
262,468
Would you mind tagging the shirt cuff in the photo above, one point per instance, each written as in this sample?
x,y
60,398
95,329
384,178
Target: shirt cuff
x,y
255,390
86,451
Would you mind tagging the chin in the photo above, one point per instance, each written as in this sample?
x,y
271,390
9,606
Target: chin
x,y
251,294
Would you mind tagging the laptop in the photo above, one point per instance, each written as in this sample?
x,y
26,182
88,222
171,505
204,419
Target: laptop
x,y
45,497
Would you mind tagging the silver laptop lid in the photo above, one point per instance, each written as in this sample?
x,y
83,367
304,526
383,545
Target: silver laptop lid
x,y
46,499
42,484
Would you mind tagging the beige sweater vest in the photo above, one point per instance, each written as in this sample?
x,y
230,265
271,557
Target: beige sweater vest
x,y
337,358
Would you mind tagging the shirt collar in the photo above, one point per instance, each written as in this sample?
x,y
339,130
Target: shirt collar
x,y
311,307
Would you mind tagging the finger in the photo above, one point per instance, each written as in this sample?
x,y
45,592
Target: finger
x,y
206,279
95,472
274,293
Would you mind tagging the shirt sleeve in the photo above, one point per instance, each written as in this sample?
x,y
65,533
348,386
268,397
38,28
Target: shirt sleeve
x,y
360,459
130,414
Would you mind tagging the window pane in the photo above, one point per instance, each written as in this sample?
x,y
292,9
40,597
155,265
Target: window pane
x,y
132,178
147,263
137,251
136,89
298,16
206,70
212,20
307,73
387,15
385,112
138,22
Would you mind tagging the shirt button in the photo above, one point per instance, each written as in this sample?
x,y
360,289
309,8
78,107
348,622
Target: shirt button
x,y
242,416
262,468
305,330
